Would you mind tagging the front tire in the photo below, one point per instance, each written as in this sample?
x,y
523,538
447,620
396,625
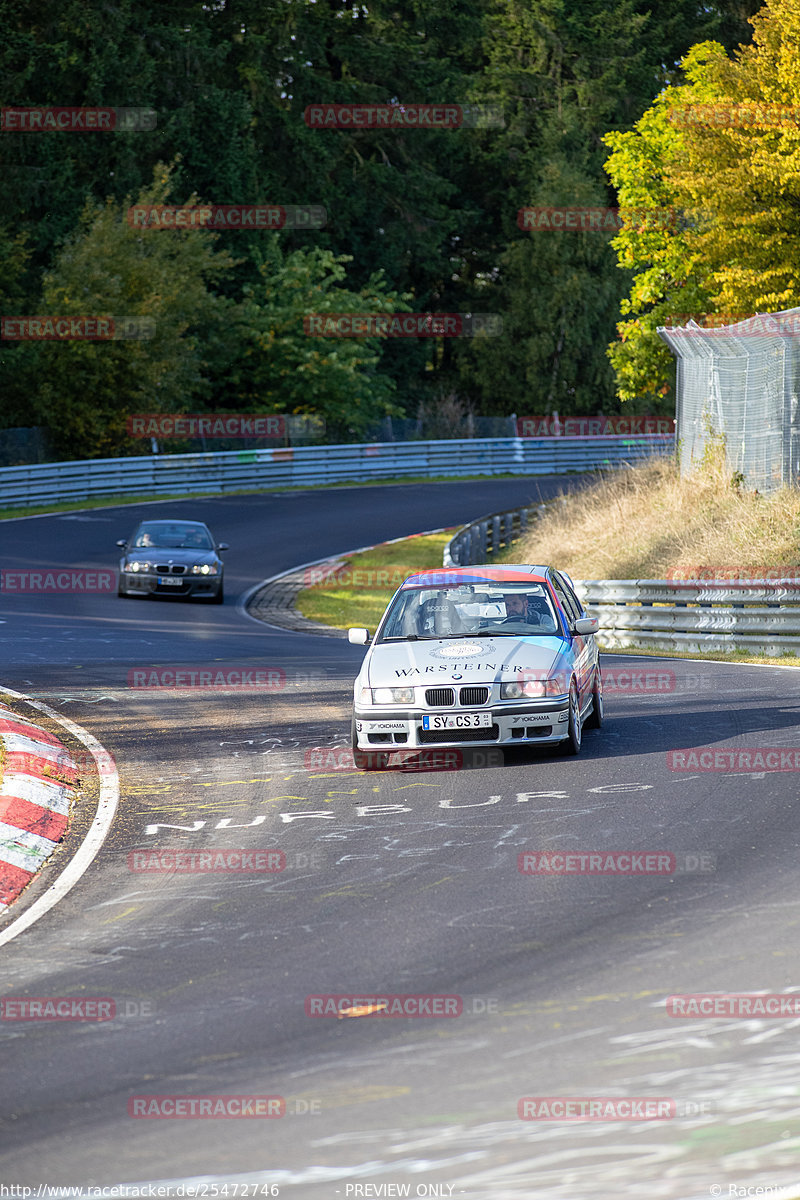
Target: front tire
x,y
572,744
595,718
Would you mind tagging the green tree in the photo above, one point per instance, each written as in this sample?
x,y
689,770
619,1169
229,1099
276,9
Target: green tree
x,y
434,211
85,390
280,367
732,184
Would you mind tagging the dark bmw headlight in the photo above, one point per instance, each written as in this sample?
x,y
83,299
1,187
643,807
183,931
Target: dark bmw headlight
x,y
139,567
205,569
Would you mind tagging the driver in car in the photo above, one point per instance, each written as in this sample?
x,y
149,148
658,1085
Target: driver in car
x,y
516,606
520,607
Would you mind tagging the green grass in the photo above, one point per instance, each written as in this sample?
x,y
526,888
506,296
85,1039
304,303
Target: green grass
x,y
732,656
367,581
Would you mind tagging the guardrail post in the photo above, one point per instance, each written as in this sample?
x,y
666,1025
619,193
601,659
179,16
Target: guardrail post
x,y
495,535
483,535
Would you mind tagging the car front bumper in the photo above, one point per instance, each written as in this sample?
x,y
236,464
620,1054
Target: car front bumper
x,y
513,725
137,583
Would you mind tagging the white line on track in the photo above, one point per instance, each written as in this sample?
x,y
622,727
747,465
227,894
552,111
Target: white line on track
x,y
91,844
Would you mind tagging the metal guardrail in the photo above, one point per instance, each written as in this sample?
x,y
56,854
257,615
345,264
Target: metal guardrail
x,y
762,615
478,541
240,470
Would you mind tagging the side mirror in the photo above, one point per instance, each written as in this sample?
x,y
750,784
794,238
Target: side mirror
x,y
223,546
587,625
122,544
358,636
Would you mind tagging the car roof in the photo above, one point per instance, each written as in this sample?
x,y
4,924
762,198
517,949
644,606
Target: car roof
x,y
508,573
174,521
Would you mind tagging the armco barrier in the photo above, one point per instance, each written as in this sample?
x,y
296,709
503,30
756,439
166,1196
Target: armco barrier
x,y
478,541
240,470
760,615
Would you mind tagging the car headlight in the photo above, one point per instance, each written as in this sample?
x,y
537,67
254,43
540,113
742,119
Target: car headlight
x,y
205,569
393,695
520,688
556,685
138,566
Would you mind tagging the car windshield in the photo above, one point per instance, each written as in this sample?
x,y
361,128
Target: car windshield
x,y
472,609
175,536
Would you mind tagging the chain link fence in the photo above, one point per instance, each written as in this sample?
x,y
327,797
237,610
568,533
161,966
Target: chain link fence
x,y
741,381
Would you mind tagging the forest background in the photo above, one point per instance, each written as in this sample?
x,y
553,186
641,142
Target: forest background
x,y
421,220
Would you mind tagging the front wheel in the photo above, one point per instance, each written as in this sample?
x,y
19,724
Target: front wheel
x,y
572,744
367,760
595,718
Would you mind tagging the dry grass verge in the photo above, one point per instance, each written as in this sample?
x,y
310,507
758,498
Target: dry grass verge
x,y
650,523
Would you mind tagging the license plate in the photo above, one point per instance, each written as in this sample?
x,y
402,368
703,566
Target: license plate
x,y
469,720
169,582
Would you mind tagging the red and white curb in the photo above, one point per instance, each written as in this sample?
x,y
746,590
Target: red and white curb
x,y
38,778
35,797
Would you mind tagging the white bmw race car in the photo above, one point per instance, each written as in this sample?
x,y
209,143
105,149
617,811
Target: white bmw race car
x,y
491,656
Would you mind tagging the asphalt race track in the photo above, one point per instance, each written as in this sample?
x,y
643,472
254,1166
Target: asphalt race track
x,y
396,882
